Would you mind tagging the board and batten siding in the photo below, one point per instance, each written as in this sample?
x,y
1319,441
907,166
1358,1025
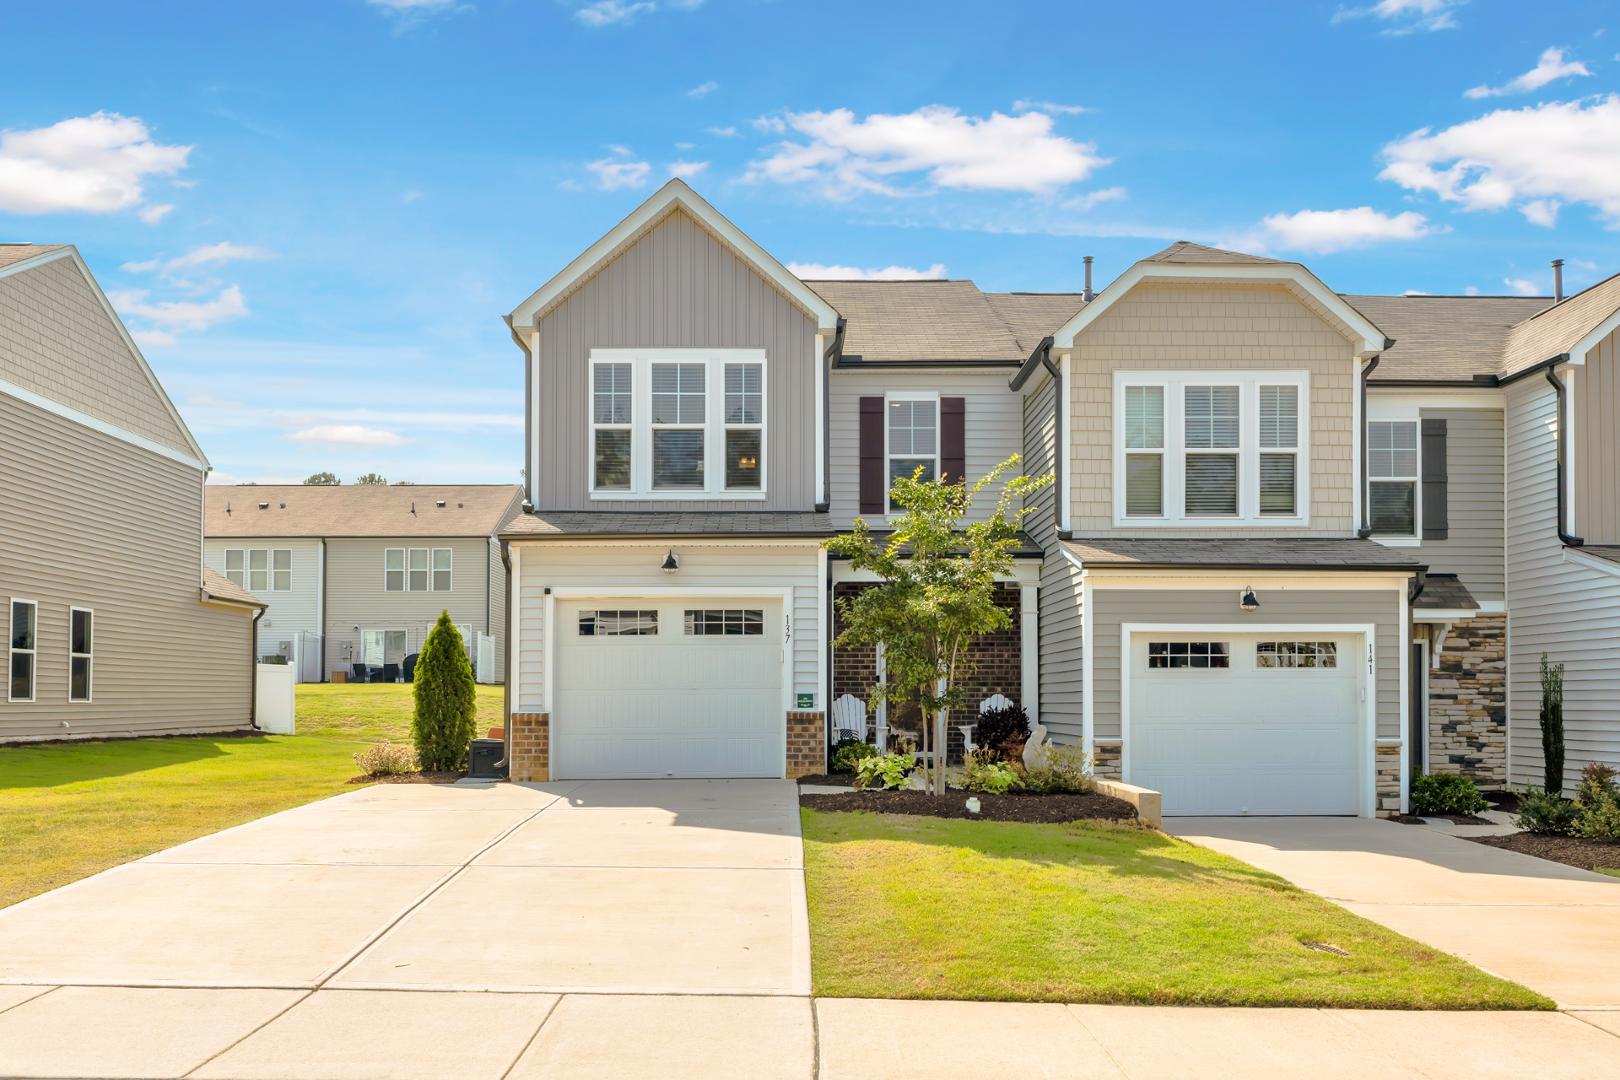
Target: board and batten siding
x,y
1473,548
355,596
1110,608
993,427
87,520
1563,604
771,567
676,286
1595,390
1215,327
293,612
1061,640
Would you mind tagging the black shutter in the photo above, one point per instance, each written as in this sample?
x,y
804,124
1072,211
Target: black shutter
x,y
1435,520
953,438
874,492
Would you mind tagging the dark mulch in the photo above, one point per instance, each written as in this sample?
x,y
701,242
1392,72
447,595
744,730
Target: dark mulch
x,y
1505,801
1455,819
1570,850
411,778
843,778
1040,809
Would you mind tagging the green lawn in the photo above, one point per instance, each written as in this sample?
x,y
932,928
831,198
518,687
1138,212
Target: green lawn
x,y
908,907
70,809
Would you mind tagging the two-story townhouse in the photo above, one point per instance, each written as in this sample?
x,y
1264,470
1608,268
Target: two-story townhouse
x,y
112,625
356,575
1273,575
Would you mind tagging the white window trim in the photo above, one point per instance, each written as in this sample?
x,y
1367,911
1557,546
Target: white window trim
x,y
269,568
33,683
889,508
1173,496
714,423
1396,412
90,657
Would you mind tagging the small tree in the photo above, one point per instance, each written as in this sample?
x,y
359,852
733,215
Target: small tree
x,y
446,699
372,479
936,590
322,479
1552,726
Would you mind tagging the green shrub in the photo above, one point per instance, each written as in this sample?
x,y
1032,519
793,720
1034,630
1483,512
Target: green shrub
x,y
848,752
387,759
981,773
446,699
1067,772
1446,793
1002,732
1544,812
887,771
1597,804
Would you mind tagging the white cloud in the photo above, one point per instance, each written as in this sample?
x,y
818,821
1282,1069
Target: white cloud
x,y
154,213
687,169
152,339
614,173
1550,68
1026,105
203,255
843,155
1324,231
170,316
1543,212
347,435
1092,199
408,13
827,272
723,132
1522,286
1402,17
90,164
610,12
703,89
1568,151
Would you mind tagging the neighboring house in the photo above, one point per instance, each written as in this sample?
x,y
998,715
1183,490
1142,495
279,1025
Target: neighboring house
x,y
358,574
112,626
1274,574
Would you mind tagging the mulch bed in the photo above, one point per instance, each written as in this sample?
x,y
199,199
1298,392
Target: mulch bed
x,y
411,778
843,779
1570,850
1505,801
1455,819
1039,809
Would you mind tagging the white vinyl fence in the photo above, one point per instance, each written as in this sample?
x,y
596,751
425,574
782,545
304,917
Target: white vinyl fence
x,y
274,700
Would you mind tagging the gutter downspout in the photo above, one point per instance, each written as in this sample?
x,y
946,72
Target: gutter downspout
x,y
1559,392
253,669
1361,437
501,766
829,357
1044,351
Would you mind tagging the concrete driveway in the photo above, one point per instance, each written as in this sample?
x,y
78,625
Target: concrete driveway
x,y
1553,928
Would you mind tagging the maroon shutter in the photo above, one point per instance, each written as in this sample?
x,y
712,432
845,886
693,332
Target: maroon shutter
x,y
953,438
874,493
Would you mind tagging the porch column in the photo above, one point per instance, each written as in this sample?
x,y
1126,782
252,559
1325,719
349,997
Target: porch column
x,y
1029,610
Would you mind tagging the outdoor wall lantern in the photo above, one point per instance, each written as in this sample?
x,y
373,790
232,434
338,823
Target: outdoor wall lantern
x,y
670,563
1248,601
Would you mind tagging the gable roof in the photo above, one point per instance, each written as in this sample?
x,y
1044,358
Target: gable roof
x,y
14,253
675,195
1185,251
403,510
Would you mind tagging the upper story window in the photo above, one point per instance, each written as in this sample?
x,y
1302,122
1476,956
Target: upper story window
x,y
677,423
417,569
1192,448
912,434
260,569
1392,477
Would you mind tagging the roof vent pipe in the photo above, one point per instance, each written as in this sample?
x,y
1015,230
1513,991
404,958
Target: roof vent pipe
x,y
1088,293
1558,280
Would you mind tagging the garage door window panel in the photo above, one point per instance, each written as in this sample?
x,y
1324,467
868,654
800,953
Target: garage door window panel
x,y
1296,654
1189,654
618,623
725,622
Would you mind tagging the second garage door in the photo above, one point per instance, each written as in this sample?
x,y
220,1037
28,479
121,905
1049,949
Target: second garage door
x,y
665,688
1247,723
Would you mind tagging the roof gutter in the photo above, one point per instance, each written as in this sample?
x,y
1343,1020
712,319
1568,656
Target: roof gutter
x,y
830,357
1559,393
1366,511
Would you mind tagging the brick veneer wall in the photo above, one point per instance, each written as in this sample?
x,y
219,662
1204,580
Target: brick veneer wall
x,y
531,748
1468,702
997,661
1388,783
806,744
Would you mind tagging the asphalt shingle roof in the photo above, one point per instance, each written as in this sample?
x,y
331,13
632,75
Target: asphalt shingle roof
x,y
1556,330
919,320
674,522
1311,553
1444,337
1443,592
358,509
217,586
1185,251
16,253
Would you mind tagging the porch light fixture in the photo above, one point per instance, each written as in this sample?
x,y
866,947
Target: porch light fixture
x,y
1248,601
670,563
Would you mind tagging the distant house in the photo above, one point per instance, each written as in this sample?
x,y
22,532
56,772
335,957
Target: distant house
x,y
357,574
111,624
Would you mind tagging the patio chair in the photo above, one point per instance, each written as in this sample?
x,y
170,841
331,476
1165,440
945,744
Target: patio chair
x,y
361,673
410,667
849,718
390,673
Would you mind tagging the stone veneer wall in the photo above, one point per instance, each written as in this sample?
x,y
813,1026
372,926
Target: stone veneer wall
x,y
1388,789
1105,760
806,744
1468,702
531,748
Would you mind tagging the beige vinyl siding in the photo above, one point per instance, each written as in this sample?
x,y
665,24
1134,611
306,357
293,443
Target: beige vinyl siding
x,y
676,286
1473,547
1112,607
291,613
497,605
355,596
1061,641
993,426
1561,604
87,520
1596,451
57,341
769,566
1215,326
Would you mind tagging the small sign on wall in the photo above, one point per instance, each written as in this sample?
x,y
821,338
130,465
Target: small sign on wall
x,y
806,701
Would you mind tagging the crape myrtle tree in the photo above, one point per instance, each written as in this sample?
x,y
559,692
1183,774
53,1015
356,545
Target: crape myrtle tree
x,y
935,592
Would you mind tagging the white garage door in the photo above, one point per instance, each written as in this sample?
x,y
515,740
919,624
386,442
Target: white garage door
x,y
1247,723
666,688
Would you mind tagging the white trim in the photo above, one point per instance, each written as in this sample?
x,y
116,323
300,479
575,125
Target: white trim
x,y
1571,454
66,412
822,380
532,480
1088,721
549,681
1029,648
823,633
88,657
1422,397
662,540
1442,615
674,193
1066,434
1593,562
1358,443
33,680
1369,688
1024,572
514,632
1371,338
1405,697
1281,580
907,395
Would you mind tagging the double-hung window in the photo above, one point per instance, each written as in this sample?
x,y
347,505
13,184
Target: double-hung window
x,y
24,646
612,412
260,569
679,408
913,436
81,653
1392,477
417,569
745,426
1194,449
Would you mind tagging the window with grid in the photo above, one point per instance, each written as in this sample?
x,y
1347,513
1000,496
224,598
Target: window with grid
x,y
1279,450
260,569
618,623
679,414
612,412
24,645
725,622
1144,451
1392,477
1212,421
745,426
81,653
1296,654
913,426
1188,654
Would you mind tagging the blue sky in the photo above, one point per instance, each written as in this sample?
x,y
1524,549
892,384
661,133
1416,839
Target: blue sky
x,y
313,214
